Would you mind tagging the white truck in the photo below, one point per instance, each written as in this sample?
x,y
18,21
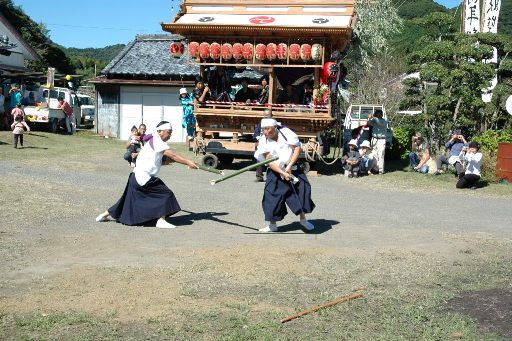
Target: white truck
x,y
44,111
355,123
87,110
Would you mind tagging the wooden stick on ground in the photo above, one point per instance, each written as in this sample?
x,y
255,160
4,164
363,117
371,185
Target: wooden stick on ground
x,y
325,305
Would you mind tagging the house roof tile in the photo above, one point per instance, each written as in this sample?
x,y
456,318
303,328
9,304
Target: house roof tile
x,y
148,55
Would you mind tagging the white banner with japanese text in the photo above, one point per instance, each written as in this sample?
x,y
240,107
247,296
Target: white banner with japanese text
x,y
490,23
472,16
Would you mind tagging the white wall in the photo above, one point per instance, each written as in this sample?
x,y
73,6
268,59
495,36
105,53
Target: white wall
x,y
18,53
150,105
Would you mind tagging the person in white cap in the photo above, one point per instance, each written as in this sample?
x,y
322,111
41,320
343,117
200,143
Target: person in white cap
x,y
286,183
146,198
189,120
351,160
367,163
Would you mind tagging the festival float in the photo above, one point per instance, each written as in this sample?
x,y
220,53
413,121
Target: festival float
x,y
287,41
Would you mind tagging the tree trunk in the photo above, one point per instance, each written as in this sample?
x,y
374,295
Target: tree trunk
x,y
456,112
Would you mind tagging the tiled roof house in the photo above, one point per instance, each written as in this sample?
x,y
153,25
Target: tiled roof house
x,y
141,85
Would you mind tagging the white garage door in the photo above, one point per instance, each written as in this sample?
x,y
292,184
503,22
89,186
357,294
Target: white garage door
x,y
150,105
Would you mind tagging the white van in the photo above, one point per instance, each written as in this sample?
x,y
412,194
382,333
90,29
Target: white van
x,y
87,110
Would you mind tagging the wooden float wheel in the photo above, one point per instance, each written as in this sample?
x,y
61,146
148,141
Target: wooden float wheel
x,y
210,160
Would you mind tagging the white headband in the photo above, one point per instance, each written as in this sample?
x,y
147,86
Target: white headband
x,y
268,122
165,126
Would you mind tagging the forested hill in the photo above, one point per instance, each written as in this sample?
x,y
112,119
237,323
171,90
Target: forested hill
x,y
87,61
410,9
105,53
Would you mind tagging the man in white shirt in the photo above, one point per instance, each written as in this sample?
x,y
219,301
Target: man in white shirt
x,y
286,183
146,197
473,158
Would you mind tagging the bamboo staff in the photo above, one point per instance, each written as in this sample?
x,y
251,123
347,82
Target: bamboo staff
x,y
210,169
245,169
325,305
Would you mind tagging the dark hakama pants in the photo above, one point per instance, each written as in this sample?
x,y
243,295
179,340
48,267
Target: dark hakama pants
x,y
140,204
279,193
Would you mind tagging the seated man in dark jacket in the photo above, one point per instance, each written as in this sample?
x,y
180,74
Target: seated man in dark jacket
x,y
245,94
455,145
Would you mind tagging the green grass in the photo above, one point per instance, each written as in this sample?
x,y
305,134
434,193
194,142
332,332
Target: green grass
x,y
405,298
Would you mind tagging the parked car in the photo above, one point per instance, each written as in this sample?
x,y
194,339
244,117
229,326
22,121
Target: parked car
x,y
87,110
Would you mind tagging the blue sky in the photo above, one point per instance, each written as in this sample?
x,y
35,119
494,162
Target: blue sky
x,y
100,23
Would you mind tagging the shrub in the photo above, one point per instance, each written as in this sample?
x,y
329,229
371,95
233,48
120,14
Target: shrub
x,y
401,143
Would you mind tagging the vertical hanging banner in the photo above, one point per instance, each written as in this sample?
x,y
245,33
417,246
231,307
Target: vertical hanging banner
x,y
472,16
490,23
491,14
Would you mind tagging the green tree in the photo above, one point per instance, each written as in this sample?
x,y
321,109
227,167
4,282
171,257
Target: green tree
x,y
376,22
452,76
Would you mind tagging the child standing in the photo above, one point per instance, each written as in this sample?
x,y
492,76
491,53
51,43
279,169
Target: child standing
x,y
132,146
189,121
351,160
18,128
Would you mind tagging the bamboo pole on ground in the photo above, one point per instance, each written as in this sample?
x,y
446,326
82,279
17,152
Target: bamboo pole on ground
x,y
325,305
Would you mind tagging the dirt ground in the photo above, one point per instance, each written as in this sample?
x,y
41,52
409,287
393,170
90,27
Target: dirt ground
x,y
393,242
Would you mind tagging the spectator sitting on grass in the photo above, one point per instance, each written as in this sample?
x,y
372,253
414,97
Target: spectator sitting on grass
x,y
455,145
367,162
471,154
351,160
420,154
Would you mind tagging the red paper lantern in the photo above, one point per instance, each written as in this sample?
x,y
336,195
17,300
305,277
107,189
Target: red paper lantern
x,y
329,72
261,51
204,50
226,51
294,52
282,51
237,51
316,52
247,51
215,50
271,51
305,52
193,49
176,49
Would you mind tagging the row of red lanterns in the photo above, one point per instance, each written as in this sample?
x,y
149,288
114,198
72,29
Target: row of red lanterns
x,y
238,51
